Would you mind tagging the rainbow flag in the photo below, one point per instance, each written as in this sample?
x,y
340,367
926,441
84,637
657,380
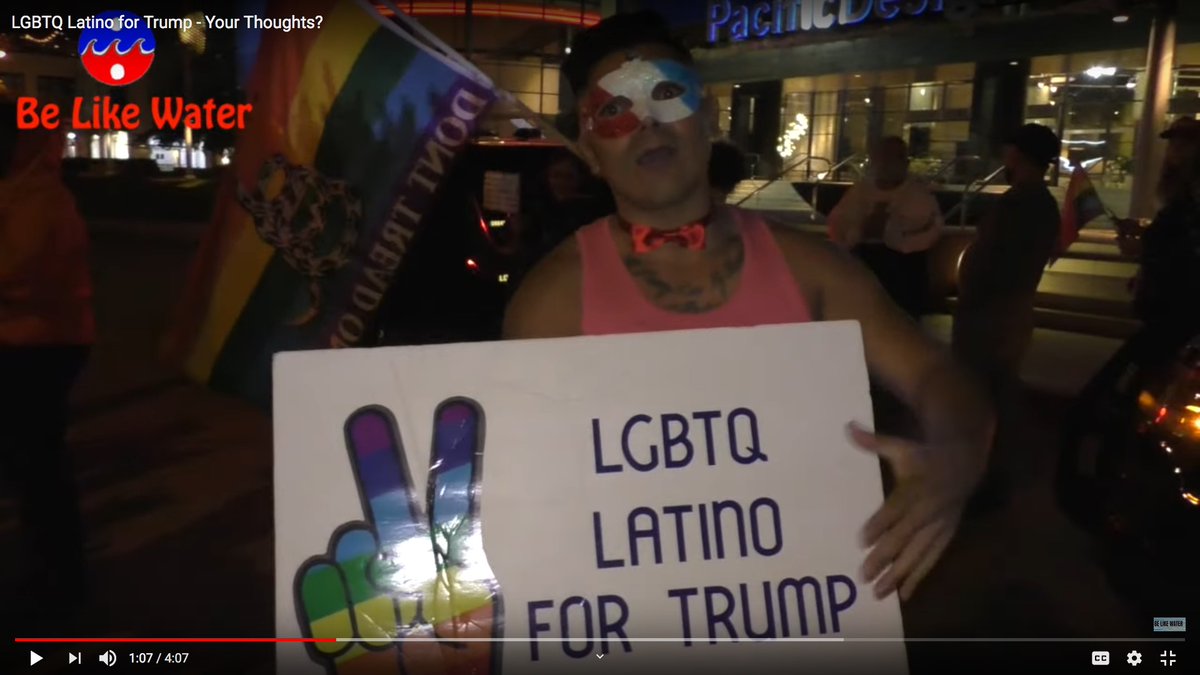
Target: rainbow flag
x,y
1080,206
353,127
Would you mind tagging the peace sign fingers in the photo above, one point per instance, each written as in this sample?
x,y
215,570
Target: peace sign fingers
x,y
385,490
408,569
466,597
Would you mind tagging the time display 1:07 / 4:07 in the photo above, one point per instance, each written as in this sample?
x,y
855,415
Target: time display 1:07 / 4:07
x,y
140,658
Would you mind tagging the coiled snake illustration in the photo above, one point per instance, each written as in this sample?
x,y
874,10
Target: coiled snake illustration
x,y
294,221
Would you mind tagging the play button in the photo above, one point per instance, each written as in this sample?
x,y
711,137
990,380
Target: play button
x,y
34,657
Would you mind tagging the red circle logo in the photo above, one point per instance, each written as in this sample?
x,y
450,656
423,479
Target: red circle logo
x,y
116,48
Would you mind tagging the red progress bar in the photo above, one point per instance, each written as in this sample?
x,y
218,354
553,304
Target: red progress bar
x,y
175,640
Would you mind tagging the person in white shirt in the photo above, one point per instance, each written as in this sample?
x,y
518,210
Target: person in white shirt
x,y
890,221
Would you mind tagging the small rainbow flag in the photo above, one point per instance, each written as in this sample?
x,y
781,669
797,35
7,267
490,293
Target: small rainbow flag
x,y
1080,206
354,125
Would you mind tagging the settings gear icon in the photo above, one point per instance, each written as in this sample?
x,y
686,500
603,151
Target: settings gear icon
x,y
1134,658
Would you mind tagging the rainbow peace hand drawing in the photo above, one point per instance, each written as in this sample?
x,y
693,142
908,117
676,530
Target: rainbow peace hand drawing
x,y
407,571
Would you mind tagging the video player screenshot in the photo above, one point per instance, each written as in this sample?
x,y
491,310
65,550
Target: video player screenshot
x,y
401,337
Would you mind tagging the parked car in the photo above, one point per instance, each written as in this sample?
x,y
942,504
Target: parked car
x,y
1168,426
455,282
1139,489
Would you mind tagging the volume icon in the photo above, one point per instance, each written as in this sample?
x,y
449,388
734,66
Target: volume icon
x,y
109,658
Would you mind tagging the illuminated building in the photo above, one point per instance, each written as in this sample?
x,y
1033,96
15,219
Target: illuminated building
x,y
950,81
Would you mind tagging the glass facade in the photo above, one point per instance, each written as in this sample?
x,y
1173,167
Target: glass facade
x,y
1094,102
520,46
829,119
533,81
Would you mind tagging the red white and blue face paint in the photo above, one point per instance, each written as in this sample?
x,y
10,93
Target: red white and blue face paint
x,y
663,90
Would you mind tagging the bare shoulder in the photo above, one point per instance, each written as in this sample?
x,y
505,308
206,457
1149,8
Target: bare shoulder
x,y
548,303
816,264
798,246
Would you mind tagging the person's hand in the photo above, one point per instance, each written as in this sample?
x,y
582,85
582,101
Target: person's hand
x,y
1127,227
1129,237
911,530
875,223
406,572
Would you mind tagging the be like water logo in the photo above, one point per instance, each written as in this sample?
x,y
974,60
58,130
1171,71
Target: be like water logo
x,y
117,48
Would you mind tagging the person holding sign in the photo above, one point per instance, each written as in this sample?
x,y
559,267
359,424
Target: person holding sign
x,y
669,259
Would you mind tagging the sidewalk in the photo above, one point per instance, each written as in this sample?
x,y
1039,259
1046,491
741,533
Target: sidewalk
x,y
1058,363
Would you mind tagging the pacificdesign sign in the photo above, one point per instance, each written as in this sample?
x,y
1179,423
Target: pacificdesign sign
x,y
738,21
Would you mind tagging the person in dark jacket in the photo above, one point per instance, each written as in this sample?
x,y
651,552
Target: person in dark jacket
x,y
1166,296
1001,270
562,199
726,168
47,327
998,281
569,202
1167,287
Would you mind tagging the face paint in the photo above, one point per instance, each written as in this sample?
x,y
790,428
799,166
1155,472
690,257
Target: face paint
x,y
663,90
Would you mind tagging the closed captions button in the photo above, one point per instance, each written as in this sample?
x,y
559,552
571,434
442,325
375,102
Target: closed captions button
x,y
1100,658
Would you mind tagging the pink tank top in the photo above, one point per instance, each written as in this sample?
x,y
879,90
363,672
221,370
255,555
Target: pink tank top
x,y
767,292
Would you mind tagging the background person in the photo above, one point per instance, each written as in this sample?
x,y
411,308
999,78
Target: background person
x,y
726,169
46,328
563,199
1001,270
570,201
891,220
1168,250
998,281
1166,292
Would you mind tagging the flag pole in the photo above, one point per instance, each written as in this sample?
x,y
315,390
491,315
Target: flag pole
x,y
453,56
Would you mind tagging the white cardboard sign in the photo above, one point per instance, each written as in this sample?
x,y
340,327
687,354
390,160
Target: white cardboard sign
x,y
642,501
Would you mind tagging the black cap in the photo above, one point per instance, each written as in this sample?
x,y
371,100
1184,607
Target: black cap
x,y
1184,127
617,32
1037,142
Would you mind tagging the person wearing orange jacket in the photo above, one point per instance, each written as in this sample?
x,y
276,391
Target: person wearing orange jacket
x,y
47,326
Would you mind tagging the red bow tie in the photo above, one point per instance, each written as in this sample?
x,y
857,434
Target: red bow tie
x,y
647,239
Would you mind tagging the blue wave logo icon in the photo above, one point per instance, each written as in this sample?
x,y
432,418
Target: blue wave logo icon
x,y
117,48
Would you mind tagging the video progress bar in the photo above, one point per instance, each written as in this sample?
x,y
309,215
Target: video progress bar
x,y
243,640
786,639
